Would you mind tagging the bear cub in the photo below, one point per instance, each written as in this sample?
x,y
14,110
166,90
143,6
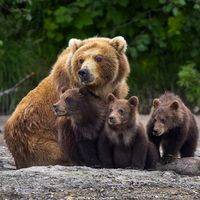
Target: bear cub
x,y
173,127
86,112
123,142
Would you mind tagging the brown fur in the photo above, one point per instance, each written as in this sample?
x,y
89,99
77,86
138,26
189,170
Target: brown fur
x,y
173,127
152,157
30,132
123,143
86,113
109,74
66,139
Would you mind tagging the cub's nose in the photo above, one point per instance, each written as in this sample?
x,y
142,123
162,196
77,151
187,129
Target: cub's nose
x,y
55,107
83,74
155,132
111,120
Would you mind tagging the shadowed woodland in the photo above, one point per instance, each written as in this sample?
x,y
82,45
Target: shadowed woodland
x,y
163,43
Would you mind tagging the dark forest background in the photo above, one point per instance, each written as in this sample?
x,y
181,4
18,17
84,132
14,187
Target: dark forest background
x,y
163,43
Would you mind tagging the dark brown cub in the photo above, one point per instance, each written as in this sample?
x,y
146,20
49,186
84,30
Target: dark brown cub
x,y
87,115
123,142
173,127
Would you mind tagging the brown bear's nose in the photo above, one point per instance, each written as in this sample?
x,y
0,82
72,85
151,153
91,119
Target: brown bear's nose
x,y
111,120
155,132
84,74
55,107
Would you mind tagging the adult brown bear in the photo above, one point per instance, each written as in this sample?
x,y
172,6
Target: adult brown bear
x,y
99,63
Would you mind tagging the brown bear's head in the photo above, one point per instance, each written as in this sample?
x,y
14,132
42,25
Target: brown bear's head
x,y
99,63
85,111
71,101
165,116
67,100
122,113
80,105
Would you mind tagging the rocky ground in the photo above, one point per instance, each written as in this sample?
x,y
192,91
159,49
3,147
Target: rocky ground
x,y
60,182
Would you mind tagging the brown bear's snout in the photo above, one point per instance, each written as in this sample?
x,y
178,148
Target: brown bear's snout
x,y
59,110
112,120
55,108
155,132
85,75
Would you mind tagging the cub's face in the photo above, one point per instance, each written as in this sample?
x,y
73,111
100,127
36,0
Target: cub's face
x,y
165,117
120,111
69,103
95,64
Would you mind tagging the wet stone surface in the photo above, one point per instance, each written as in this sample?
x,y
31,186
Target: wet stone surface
x,y
59,182
182,181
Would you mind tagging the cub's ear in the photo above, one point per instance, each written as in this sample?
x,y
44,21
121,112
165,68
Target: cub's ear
x,y
134,101
156,103
74,44
63,89
110,98
84,91
174,105
119,43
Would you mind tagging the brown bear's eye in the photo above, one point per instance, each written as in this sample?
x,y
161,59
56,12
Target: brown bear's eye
x,y
81,60
163,120
98,58
110,110
68,100
121,112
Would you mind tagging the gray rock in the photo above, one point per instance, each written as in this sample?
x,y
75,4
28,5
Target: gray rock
x,y
6,160
59,182
185,166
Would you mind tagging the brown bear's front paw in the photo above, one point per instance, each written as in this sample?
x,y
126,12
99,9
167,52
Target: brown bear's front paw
x,y
167,159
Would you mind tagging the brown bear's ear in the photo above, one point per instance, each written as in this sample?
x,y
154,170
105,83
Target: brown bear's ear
x,y
110,98
84,91
174,105
74,44
63,89
134,101
119,43
156,103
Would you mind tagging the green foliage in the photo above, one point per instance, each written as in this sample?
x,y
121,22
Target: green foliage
x,y
189,79
161,35
22,51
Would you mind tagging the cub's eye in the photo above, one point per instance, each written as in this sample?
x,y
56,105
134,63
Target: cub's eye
x,y
121,112
68,100
110,110
98,59
163,120
81,60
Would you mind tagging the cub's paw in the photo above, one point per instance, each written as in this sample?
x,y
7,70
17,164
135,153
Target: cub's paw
x,y
167,159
